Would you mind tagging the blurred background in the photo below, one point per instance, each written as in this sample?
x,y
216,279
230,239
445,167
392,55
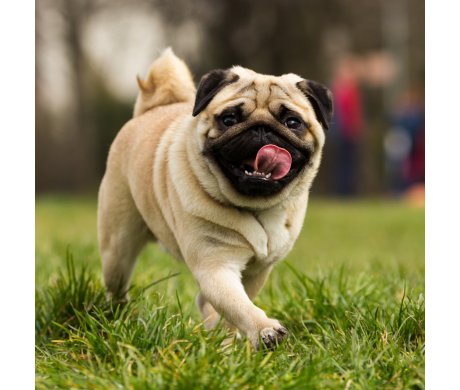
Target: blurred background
x,y
370,53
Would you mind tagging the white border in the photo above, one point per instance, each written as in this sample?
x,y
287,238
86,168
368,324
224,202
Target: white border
x,y
442,194
17,162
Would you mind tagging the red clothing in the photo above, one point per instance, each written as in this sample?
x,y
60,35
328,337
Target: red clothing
x,y
348,108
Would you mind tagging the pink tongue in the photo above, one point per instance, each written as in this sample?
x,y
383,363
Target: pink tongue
x,y
273,159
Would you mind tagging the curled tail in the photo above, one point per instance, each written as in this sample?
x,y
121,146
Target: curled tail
x,y
169,81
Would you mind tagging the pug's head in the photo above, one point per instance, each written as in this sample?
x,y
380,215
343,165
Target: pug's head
x,y
260,136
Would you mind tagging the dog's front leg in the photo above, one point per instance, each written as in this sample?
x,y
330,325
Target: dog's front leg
x,y
220,283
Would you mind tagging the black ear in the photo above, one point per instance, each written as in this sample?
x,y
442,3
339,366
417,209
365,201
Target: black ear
x,y
210,85
320,98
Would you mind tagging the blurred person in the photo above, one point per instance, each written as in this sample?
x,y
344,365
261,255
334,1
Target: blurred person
x,y
348,121
405,143
379,69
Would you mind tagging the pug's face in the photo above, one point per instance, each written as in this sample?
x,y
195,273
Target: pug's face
x,y
261,135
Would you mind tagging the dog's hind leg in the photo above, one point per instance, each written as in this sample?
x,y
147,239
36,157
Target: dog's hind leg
x,y
122,235
207,312
211,318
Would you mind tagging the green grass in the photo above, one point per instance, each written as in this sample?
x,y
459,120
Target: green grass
x,y
351,292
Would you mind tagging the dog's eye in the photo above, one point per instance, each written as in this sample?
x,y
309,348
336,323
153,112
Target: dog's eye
x,y
292,123
229,120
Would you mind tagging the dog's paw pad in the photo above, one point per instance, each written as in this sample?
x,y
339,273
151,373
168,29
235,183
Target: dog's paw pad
x,y
272,337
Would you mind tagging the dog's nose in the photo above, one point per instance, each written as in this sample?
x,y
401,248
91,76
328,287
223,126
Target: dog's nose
x,y
260,132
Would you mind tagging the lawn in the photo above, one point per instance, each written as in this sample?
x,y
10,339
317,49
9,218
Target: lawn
x,y
351,292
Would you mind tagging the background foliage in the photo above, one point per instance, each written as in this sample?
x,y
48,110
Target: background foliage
x,y
88,53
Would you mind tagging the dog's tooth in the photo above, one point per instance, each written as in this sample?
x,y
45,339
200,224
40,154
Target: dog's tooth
x,y
269,175
246,172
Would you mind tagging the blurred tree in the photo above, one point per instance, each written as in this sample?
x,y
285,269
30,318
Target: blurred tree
x,y
74,159
81,129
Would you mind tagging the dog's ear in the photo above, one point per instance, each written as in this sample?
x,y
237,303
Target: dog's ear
x,y
210,85
320,98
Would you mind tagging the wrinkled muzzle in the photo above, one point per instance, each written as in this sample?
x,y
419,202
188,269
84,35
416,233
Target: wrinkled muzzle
x,y
260,161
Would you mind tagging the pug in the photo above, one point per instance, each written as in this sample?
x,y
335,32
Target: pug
x,y
220,178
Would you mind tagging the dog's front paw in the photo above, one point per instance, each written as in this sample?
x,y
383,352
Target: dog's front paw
x,y
271,336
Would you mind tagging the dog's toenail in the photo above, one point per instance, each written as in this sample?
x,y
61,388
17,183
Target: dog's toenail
x,y
271,338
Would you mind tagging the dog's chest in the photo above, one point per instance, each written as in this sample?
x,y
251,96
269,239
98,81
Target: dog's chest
x,y
279,240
